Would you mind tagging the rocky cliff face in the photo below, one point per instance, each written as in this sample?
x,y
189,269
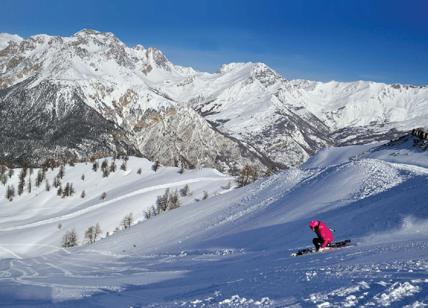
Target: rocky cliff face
x,y
48,121
70,97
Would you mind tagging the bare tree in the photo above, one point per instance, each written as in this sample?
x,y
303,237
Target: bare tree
x,y
155,166
92,233
150,212
247,175
127,221
69,239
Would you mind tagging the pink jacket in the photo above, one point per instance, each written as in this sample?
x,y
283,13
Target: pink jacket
x,y
324,233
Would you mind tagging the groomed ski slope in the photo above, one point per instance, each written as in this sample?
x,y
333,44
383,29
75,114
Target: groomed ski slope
x,y
234,249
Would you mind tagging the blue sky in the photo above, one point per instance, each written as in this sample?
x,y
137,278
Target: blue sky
x,y
380,40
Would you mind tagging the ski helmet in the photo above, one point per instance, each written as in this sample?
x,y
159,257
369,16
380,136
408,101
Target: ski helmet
x,y
313,224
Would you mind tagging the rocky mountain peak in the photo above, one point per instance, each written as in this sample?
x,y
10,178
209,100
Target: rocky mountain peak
x,y
6,39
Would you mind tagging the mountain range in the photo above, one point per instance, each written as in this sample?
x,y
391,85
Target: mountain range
x,y
71,98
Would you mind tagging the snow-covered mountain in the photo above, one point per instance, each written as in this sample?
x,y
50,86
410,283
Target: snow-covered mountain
x,y
144,104
232,249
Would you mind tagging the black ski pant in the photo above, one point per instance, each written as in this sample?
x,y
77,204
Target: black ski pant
x,y
317,243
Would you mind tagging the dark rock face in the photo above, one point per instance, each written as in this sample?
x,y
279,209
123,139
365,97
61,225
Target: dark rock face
x,y
48,121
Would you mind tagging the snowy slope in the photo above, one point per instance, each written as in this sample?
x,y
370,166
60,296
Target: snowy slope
x,y
34,223
234,249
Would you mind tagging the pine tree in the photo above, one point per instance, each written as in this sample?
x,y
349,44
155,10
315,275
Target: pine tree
x,y
95,166
205,195
113,166
40,177
139,171
47,185
106,173
68,190
185,191
61,172
83,194
21,183
10,173
29,185
3,169
10,192
59,191
173,201
162,202
104,165
82,177
123,166
56,182
3,179
103,195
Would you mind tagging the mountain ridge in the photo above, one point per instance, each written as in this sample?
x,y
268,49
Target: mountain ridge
x,y
242,108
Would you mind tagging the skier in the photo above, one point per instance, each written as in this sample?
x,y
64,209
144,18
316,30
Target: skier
x,y
325,236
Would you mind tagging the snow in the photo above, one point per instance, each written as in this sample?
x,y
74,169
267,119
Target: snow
x,y
233,249
284,120
6,38
23,228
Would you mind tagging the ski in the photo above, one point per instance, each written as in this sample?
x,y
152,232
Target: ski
x,y
334,245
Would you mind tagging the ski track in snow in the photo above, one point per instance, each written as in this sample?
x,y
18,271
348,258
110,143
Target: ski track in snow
x,y
237,254
105,203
